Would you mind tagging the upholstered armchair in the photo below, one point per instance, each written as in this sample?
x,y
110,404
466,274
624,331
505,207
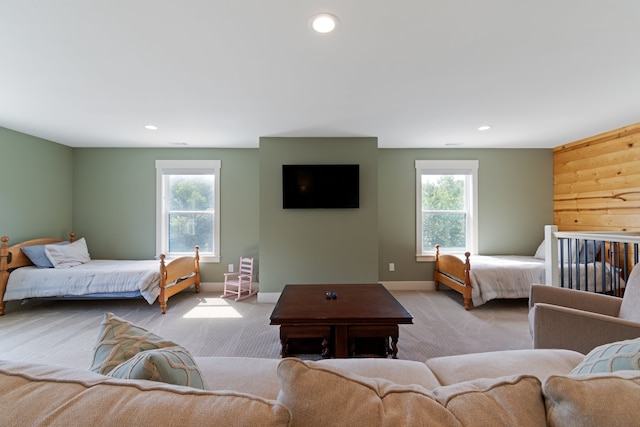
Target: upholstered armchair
x,y
580,320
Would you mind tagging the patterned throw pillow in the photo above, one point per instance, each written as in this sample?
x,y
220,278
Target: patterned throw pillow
x,y
617,356
119,341
171,365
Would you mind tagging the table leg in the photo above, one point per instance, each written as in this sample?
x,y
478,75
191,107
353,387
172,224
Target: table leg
x,y
341,341
393,351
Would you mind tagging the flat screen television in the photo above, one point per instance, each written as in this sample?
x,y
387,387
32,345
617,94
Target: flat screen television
x,y
320,186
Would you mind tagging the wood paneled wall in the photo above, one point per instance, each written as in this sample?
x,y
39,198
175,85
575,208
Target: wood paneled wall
x,y
596,182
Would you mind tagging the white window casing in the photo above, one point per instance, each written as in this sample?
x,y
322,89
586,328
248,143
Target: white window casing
x,y
469,168
166,168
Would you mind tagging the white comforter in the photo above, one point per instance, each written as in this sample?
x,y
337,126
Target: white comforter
x,y
508,276
511,276
95,276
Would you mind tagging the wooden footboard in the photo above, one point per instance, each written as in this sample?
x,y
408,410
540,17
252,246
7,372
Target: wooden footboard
x,y
177,275
454,273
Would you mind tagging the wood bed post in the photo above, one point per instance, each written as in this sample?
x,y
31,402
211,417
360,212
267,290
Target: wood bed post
x,y
163,285
4,270
467,280
72,237
437,283
197,268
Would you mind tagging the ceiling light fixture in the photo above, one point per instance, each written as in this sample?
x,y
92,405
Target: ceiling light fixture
x,y
485,127
323,22
151,127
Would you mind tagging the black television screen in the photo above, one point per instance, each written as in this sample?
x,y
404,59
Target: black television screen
x,y
320,186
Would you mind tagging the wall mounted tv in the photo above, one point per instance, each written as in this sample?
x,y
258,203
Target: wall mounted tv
x,y
320,186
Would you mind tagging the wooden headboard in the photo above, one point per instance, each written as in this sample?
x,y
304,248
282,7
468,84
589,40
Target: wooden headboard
x,y
13,257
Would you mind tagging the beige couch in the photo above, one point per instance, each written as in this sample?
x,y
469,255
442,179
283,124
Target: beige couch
x,y
519,387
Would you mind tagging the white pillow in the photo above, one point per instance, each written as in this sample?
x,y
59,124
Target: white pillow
x,y
65,256
540,252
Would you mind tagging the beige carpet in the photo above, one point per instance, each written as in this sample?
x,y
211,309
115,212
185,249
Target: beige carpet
x,y
64,332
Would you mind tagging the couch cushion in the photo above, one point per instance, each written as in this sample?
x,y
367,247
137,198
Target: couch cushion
x,y
394,370
321,395
171,365
593,400
255,376
505,401
616,356
119,341
33,394
540,363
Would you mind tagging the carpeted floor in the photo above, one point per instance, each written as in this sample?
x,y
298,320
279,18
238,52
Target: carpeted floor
x,y
64,332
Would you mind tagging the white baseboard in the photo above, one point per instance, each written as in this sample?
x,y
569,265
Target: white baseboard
x,y
422,285
272,297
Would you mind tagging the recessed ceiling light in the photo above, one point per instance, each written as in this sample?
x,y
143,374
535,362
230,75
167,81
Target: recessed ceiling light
x,y
485,127
323,22
151,127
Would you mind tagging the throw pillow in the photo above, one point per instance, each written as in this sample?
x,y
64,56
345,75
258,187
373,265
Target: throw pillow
x,y
65,256
319,395
495,401
617,356
171,365
592,400
119,341
38,256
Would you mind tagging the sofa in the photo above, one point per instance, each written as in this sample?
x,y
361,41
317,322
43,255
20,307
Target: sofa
x,y
534,387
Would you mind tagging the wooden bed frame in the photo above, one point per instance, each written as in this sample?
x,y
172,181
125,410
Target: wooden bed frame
x,y
456,276
12,257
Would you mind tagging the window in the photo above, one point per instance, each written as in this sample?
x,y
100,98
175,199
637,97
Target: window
x,y
188,208
446,206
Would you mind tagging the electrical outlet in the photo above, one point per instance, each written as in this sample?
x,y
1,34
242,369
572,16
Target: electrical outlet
x,y
392,267
230,267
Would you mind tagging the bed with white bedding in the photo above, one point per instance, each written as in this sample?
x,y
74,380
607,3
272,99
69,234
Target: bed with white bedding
x,y
75,275
482,278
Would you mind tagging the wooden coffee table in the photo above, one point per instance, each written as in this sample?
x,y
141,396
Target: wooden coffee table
x,y
357,311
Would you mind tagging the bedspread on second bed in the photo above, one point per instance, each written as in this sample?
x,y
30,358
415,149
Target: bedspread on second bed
x,y
95,276
508,276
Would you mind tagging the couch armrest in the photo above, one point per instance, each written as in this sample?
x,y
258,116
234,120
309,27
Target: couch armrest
x,y
580,300
562,327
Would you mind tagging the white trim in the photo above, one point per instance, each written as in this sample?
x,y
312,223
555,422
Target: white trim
x,y
440,167
417,285
188,166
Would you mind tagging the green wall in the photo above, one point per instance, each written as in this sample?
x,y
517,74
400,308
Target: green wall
x,y
115,202
515,203
317,245
36,178
108,196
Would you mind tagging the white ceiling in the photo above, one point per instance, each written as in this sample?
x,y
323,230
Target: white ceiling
x,y
413,73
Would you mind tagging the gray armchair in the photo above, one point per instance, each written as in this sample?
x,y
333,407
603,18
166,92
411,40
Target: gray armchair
x,y
581,321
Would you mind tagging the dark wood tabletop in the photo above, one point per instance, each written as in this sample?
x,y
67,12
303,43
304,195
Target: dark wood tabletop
x,y
339,314
354,304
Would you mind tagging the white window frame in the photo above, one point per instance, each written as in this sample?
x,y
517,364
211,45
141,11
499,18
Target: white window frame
x,y
449,167
186,167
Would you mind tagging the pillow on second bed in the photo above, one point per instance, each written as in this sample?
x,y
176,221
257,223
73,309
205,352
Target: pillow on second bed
x,y
38,256
65,256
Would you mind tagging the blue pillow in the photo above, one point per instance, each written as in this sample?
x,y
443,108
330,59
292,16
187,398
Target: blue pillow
x,y
592,249
37,255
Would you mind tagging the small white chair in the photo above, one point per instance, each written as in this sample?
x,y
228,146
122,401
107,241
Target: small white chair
x,y
240,283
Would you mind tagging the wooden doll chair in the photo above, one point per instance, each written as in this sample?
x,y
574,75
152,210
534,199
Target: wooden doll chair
x,y
240,283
